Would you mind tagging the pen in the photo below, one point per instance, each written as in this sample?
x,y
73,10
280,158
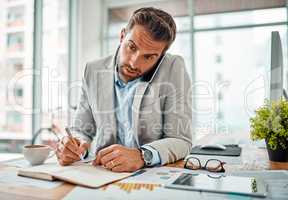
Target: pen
x,y
74,142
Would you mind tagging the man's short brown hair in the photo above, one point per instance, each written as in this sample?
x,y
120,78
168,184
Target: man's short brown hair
x,y
158,23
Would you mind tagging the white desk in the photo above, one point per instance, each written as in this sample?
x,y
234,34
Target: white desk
x,y
9,156
253,159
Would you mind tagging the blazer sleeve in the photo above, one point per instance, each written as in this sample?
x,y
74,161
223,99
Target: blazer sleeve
x,y
83,123
176,142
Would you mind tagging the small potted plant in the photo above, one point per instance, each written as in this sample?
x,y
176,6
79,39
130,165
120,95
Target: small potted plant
x,y
271,123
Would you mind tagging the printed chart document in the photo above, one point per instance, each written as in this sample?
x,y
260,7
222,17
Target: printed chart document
x,y
84,174
144,184
148,184
156,175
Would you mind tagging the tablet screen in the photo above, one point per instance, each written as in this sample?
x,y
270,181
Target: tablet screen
x,y
219,184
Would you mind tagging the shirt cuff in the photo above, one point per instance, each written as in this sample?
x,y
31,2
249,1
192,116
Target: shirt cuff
x,y
156,157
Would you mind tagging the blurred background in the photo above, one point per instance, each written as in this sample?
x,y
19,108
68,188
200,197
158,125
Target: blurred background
x,y
44,45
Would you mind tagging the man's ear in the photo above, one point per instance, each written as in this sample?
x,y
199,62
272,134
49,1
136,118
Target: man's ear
x,y
122,35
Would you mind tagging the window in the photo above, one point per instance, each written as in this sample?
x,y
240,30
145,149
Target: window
x,y
16,49
16,68
15,42
15,16
251,17
55,62
232,67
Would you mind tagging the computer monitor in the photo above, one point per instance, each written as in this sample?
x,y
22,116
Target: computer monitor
x,y
276,74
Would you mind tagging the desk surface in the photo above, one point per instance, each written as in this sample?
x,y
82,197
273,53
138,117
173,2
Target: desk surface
x,y
9,156
252,159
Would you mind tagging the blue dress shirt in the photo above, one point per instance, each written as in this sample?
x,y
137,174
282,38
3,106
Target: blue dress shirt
x,y
124,95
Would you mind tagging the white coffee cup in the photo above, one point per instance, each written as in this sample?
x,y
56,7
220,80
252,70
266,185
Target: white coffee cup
x,y
37,154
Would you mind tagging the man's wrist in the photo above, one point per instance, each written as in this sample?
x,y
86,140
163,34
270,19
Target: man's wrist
x,y
154,158
141,158
147,156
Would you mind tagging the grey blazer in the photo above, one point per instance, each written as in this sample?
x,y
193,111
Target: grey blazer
x,y
161,111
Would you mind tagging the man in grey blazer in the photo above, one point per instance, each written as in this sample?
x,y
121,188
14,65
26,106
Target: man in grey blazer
x,y
135,106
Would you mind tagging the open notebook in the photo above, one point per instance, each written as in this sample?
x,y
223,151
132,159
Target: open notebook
x,y
83,174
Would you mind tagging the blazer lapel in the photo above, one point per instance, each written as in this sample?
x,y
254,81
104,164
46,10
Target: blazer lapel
x,y
138,97
106,103
139,93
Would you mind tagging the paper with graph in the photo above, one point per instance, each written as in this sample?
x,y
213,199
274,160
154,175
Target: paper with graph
x,y
141,185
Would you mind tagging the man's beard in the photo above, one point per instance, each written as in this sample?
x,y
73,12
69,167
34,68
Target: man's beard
x,y
130,69
132,73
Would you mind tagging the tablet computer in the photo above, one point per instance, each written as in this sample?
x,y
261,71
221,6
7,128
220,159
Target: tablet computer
x,y
220,184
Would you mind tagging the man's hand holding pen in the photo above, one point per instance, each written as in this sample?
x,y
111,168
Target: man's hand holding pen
x,y
70,150
116,157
